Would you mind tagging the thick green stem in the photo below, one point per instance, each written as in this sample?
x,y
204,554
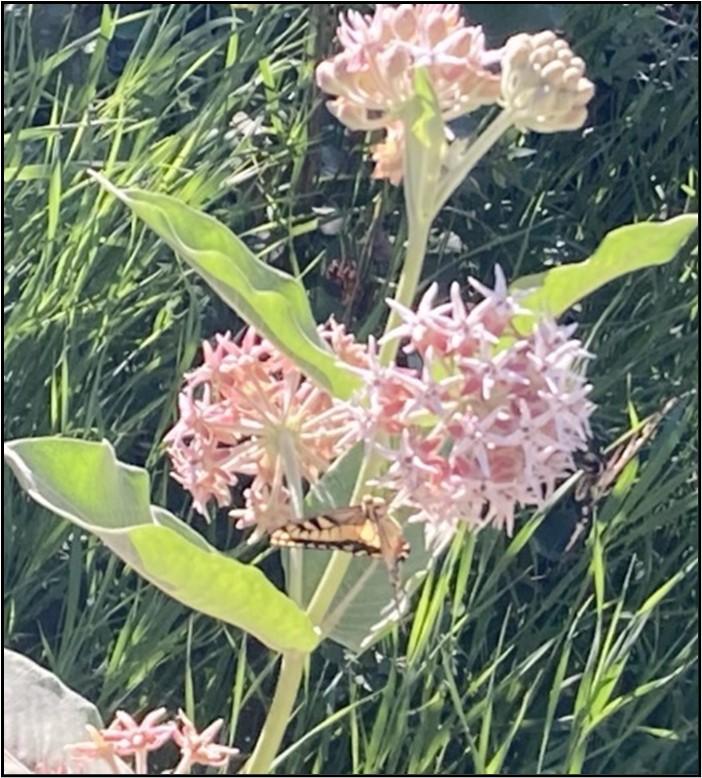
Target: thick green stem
x,y
406,289
293,664
278,716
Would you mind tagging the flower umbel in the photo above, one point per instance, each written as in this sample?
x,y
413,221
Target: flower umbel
x,y
372,77
542,86
239,410
489,422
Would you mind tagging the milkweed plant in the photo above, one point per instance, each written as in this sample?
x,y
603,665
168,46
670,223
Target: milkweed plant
x,y
482,417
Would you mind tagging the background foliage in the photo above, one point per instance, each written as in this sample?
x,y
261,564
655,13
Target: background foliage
x,y
512,662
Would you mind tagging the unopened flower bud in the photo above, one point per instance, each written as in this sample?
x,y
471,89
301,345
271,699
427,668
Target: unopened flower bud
x,y
544,84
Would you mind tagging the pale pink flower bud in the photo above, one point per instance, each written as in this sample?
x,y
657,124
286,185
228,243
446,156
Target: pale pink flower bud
x,y
393,62
355,117
389,155
327,78
405,23
544,84
436,28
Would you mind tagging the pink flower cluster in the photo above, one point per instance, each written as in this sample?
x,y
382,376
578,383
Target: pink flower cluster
x,y
125,737
373,75
489,422
235,409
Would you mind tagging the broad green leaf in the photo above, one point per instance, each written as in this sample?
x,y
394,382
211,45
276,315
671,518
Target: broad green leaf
x,y
271,301
85,483
369,613
219,586
622,251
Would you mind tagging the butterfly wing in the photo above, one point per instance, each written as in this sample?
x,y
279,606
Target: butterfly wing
x,y
624,453
345,530
599,473
364,530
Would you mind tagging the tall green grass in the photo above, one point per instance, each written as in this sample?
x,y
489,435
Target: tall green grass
x,y
509,662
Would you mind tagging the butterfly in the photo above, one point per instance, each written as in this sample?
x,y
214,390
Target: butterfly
x,y
363,530
598,473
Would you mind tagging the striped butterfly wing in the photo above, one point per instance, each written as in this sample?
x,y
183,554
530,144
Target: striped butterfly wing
x,y
599,473
343,529
598,482
363,530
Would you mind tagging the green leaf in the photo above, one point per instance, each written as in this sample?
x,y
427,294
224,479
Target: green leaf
x,y
271,301
623,250
85,483
663,591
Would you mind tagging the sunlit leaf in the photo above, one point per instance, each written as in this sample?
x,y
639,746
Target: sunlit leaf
x,y
268,299
85,483
622,251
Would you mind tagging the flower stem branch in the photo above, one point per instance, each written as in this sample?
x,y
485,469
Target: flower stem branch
x,y
418,235
321,601
473,154
339,563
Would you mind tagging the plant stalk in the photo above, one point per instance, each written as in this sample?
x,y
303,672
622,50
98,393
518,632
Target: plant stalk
x,y
473,154
339,563
279,714
293,663
418,234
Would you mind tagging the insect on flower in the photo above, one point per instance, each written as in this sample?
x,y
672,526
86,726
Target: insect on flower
x,y
363,530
